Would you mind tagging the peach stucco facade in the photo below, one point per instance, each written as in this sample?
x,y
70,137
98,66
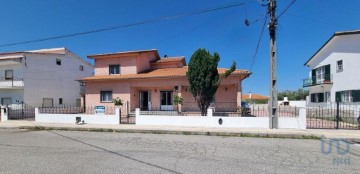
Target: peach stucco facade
x,y
138,77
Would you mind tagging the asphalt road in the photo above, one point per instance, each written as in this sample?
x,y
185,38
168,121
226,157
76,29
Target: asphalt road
x,y
23,151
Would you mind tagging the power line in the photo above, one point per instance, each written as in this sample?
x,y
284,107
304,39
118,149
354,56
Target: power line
x,y
290,4
258,43
126,25
193,28
318,21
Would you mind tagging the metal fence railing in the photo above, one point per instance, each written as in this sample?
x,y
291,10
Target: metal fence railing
x,y
229,109
109,110
262,110
334,116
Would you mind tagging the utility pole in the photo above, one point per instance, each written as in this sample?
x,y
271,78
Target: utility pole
x,y
273,103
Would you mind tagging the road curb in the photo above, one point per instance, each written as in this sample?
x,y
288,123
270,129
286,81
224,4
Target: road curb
x,y
179,132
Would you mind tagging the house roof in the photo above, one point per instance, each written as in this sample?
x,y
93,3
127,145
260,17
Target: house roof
x,y
48,51
93,56
171,60
41,51
340,33
157,73
254,97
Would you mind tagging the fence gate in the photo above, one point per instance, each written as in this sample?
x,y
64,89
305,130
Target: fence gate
x,y
21,112
334,116
126,117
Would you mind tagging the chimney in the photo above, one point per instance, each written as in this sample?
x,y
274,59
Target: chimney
x,y
249,95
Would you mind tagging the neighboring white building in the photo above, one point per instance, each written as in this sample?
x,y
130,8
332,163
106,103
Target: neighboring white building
x,y
335,70
42,77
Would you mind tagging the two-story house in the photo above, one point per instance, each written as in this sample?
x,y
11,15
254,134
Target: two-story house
x,y
44,77
149,82
334,70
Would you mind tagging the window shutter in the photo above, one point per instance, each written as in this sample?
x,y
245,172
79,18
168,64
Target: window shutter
x,y
312,97
356,95
321,97
338,96
327,72
313,76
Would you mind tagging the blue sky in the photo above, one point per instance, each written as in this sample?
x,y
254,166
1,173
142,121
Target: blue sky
x,y
301,31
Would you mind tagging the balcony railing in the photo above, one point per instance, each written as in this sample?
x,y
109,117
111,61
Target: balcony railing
x,y
318,80
11,82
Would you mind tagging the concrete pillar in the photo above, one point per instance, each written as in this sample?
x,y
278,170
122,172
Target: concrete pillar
x,y
4,115
209,112
117,113
179,94
36,114
239,94
137,112
302,118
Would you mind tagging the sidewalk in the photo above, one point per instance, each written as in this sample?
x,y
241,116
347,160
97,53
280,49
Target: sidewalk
x,y
351,135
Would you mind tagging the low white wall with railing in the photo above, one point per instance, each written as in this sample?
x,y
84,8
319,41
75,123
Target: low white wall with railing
x,y
298,122
71,118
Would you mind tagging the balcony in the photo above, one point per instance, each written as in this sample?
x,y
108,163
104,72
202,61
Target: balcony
x,y
6,83
318,80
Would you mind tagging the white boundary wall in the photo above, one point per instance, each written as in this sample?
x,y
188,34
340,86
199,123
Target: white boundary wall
x,y
227,122
70,118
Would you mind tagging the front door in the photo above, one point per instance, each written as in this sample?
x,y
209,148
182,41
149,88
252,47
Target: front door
x,y
145,100
166,101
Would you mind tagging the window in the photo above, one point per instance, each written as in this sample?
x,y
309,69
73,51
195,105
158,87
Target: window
x,y
106,96
317,97
78,102
81,68
320,73
48,102
166,97
339,66
9,74
346,96
60,101
58,62
5,101
114,69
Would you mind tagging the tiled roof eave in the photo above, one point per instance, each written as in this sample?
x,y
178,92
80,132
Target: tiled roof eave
x,y
141,78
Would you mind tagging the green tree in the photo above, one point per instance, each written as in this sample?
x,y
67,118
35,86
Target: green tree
x,y
299,94
204,78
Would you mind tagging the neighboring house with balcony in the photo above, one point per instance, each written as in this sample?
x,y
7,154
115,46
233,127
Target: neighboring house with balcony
x,y
44,77
334,70
146,81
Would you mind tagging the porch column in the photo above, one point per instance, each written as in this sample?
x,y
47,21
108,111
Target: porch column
x,y
239,94
179,94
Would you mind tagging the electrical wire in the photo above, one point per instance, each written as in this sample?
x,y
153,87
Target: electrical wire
x,y
193,28
290,4
126,25
258,43
318,21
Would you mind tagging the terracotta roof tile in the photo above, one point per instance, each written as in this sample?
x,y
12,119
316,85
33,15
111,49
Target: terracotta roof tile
x,y
254,97
157,73
124,52
170,59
